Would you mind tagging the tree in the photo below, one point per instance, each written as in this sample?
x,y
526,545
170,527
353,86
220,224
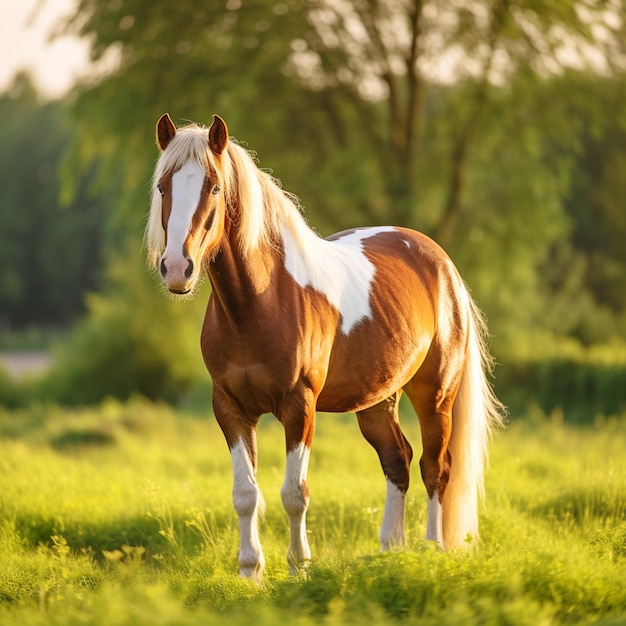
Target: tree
x,y
597,209
350,73
50,254
397,52
461,119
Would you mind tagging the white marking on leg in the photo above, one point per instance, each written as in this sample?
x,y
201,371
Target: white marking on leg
x,y
434,525
392,532
295,497
337,269
248,503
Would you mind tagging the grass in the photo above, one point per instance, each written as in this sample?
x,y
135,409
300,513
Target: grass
x,y
121,515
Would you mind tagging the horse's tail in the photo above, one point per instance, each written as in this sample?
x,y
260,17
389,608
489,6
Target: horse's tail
x,y
476,412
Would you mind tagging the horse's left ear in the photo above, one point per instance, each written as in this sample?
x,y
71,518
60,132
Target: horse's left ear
x,y
165,130
218,135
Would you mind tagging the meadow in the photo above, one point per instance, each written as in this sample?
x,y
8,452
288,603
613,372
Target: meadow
x,y
122,515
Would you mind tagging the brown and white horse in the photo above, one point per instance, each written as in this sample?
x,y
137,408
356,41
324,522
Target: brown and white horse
x,y
296,323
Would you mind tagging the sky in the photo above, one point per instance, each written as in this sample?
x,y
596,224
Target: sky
x,y
24,44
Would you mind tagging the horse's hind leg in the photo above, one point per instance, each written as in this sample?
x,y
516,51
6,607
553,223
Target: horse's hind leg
x,y
381,427
434,409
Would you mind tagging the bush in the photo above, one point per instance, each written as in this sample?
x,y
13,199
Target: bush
x,y
582,381
133,341
9,393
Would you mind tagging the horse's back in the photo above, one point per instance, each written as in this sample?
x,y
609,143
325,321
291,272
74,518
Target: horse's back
x,y
414,292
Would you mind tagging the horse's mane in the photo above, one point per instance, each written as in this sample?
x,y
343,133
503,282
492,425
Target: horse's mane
x,y
255,200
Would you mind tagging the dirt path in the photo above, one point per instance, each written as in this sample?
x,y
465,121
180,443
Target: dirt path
x,y
20,364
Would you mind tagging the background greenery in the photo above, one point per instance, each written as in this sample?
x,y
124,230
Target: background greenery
x,y
497,128
498,173
122,515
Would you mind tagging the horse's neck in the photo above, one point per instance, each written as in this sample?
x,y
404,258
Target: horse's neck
x,y
236,281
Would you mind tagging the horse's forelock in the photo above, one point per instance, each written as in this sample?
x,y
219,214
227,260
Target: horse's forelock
x,y
190,142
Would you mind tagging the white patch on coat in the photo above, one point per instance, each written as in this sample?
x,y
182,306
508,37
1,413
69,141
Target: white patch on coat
x,y
296,469
337,269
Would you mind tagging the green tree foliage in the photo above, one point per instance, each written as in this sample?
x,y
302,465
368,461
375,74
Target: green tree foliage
x,y
328,83
596,204
478,123
49,254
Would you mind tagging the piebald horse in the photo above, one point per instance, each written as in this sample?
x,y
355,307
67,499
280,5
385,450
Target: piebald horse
x,y
296,323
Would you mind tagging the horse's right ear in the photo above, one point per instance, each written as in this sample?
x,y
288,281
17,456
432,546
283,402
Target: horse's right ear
x,y
165,131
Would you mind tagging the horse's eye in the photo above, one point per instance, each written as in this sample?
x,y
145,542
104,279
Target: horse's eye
x,y
160,189
215,190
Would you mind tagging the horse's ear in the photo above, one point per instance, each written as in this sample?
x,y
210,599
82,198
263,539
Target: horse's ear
x,y
165,131
218,135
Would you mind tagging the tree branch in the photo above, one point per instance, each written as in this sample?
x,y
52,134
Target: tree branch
x,y
452,206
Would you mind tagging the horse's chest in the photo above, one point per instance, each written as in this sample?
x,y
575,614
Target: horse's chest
x,y
251,367
246,380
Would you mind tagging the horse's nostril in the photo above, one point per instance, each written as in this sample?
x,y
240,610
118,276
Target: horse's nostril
x,y
162,268
189,270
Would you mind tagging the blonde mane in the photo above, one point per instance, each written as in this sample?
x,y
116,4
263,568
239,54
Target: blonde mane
x,y
254,199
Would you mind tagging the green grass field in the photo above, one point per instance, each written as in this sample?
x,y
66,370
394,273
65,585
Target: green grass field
x,y
122,515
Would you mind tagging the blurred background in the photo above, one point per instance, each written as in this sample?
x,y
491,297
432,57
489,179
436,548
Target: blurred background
x,y
498,128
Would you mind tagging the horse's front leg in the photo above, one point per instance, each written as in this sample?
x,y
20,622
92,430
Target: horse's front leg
x,y
297,414
240,433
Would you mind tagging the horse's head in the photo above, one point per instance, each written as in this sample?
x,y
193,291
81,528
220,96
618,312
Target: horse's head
x,y
188,207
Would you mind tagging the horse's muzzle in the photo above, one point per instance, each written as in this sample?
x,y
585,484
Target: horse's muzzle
x,y
177,274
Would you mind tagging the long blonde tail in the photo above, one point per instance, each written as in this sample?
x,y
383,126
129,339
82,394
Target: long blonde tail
x,y
475,414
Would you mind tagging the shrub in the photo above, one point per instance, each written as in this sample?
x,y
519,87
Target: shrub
x,y
133,341
582,381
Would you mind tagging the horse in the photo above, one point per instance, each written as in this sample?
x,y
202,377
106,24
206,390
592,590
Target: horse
x,y
297,324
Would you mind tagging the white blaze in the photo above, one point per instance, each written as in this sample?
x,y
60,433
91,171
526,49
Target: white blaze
x,y
187,185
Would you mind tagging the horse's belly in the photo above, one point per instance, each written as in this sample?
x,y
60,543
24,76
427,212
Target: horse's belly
x,y
333,400
358,379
